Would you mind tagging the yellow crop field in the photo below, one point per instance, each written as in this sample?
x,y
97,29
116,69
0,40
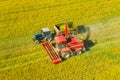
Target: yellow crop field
x,y
21,59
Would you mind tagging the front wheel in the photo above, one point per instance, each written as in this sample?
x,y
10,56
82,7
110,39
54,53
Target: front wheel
x,y
34,38
78,52
37,42
65,55
83,49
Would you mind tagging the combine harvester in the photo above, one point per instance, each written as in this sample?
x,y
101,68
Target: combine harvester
x,y
65,45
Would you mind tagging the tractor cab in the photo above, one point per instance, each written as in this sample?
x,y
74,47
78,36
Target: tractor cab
x,y
46,34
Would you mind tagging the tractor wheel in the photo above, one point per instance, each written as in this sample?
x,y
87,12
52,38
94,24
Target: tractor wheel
x,y
65,55
83,49
78,52
37,42
34,38
48,39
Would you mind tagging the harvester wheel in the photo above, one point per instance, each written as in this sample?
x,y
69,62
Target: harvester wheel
x,y
58,46
83,49
65,55
78,52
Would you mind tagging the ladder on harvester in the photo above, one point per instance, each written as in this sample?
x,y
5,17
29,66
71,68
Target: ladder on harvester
x,y
51,52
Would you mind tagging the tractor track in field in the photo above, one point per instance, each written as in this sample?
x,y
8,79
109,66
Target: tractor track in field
x,y
33,60
45,58
19,56
106,5
102,69
48,7
22,63
84,74
23,60
3,0
19,59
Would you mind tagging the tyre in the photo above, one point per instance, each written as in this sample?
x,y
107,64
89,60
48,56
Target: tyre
x,y
37,42
58,46
65,55
48,39
78,52
34,38
83,49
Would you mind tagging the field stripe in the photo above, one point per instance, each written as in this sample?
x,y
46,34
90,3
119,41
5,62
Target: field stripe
x,y
23,63
105,5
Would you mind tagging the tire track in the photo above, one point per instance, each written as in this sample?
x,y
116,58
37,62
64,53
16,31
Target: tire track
x,y
106,4
23,63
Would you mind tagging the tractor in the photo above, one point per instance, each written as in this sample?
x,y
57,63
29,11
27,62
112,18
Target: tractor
x,y
65,45
44,35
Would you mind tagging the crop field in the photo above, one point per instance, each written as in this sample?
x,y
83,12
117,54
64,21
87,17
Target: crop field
x,y
21,59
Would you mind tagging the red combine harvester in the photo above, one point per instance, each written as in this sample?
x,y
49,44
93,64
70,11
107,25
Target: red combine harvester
x,y
65,45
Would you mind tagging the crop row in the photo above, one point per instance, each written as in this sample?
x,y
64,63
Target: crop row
x,y
23,60
84,16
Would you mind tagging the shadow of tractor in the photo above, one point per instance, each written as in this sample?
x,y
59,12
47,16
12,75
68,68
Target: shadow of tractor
x,y
88,43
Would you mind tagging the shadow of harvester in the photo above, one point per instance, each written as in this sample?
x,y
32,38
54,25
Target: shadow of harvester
x,y
88,43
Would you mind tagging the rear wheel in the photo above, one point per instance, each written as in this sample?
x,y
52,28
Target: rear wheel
x,y
83,49
65,55
37,42
34,38
48,39
78,52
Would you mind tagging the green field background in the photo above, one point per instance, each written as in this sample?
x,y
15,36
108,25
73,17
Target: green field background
x,y
21,59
